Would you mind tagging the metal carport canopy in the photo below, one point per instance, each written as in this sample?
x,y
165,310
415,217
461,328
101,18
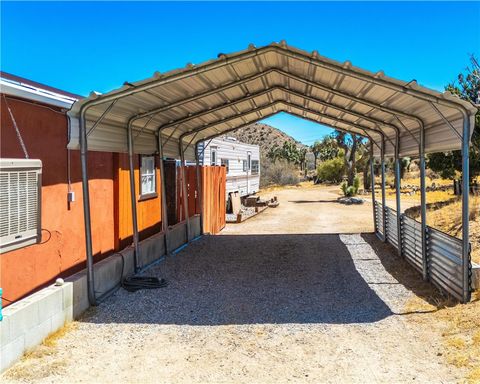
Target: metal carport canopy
x,y
200,101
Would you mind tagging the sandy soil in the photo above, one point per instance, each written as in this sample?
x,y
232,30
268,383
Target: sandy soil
x,y
279,298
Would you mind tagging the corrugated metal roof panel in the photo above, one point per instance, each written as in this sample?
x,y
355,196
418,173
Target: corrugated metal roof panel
x,y
241,88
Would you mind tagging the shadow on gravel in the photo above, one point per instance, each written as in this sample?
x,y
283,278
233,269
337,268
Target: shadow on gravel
x,y
252,279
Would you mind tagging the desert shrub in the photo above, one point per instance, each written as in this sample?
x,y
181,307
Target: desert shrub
x,y
278,173
331,170
344,187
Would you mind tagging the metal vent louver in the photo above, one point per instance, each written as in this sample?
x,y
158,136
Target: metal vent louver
x,y
20,190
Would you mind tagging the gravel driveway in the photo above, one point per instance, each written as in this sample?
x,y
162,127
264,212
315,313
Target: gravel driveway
x,y
252,306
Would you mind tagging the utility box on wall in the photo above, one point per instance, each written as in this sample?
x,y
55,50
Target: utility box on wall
x,y
20,203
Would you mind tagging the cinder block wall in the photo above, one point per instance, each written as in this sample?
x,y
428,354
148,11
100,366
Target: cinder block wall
x,y
29,321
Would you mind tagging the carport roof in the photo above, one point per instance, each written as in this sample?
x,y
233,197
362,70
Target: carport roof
x,y
201,101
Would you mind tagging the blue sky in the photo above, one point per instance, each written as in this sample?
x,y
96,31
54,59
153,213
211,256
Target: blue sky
x,y
87,46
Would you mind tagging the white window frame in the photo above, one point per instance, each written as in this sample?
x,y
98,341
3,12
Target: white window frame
x,y
152,192
225,163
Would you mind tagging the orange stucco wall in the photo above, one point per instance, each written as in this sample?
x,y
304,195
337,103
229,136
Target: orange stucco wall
x,y
44,130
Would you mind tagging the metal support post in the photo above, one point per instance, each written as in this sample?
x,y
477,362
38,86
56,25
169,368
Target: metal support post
x,y
165,229
184,189
199,187
465,208
372,180
86,210
423,205
133,197
384,219
397,196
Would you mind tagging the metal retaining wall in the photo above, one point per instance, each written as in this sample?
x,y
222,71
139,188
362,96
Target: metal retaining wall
x,y
444,258
412,242
379,217
392,229
443,253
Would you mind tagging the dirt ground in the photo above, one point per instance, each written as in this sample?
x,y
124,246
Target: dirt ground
x,y
300,293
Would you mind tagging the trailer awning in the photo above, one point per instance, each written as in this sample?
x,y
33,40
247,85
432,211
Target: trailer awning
x,y
200,101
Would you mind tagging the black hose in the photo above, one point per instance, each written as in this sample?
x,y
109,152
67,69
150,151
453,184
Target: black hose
x,y
135,283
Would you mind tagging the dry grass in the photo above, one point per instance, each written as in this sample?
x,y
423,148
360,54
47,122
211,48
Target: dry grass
x,y
459,326
30,369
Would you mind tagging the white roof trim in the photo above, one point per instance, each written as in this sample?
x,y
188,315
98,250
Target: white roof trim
x,y
27,91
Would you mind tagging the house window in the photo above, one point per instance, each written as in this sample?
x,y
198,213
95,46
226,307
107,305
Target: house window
x,y
249,160
255,167
225,163
213,155
245,165
148,185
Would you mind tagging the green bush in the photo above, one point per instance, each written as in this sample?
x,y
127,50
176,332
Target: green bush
x,y
331,170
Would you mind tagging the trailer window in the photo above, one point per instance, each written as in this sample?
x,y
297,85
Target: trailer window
x,y
147,177
255,167
245,166
225,163
213,155
249,160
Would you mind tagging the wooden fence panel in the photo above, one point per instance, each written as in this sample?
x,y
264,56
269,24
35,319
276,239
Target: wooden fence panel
x,y
213,184
213,194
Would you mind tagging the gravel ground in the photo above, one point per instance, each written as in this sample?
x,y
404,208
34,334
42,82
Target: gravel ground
x,y
252,306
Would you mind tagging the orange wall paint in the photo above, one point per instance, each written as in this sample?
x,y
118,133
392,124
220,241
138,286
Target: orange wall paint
x,y
149,211
44,130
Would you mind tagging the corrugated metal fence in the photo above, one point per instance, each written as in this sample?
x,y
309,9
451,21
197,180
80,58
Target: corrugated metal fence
x,y
443,253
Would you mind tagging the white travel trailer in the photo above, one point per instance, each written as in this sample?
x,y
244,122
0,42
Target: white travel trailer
x,y
241,160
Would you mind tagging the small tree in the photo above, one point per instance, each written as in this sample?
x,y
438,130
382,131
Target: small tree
x,y
447,164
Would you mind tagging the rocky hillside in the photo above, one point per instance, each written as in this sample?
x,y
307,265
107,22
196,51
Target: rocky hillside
x,y
263,135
